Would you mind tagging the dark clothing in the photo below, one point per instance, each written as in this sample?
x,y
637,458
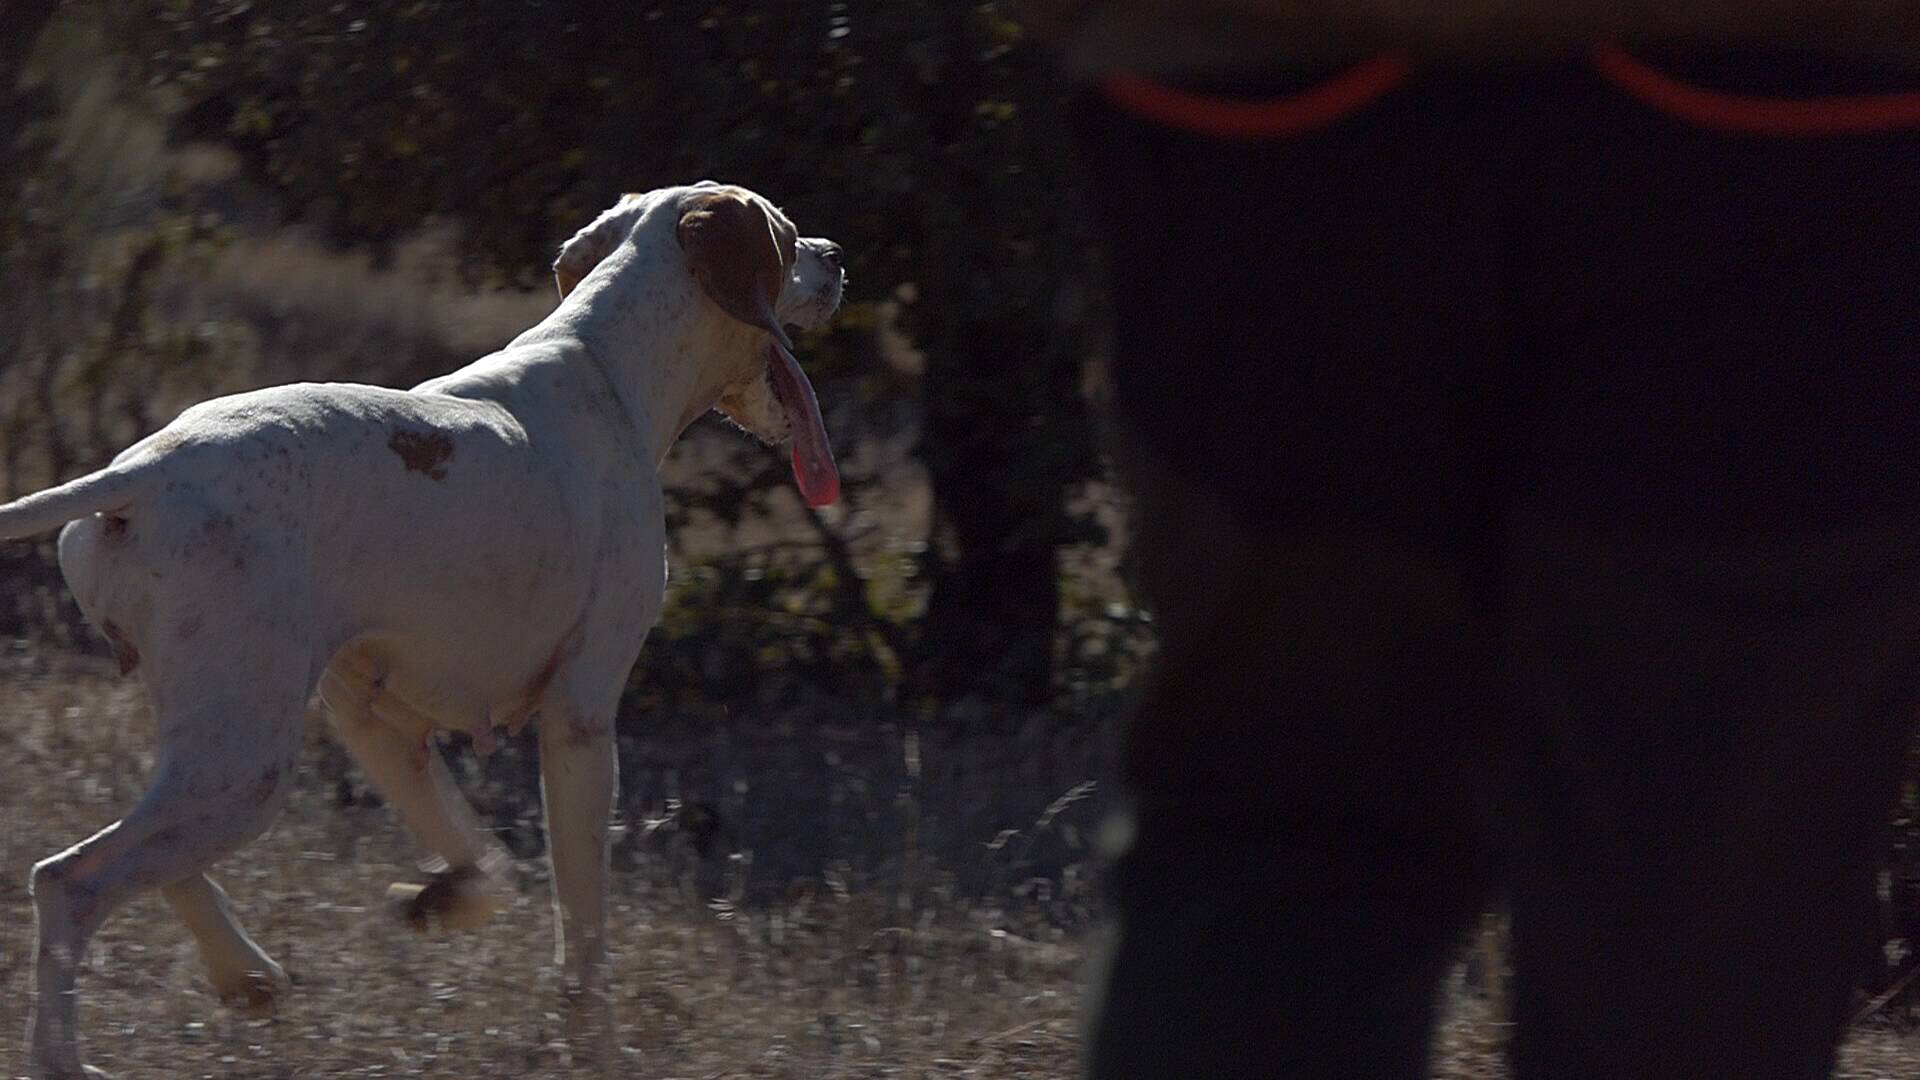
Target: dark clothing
x,y
1528,491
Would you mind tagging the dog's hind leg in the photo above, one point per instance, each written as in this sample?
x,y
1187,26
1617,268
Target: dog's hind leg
x,y
418,785
219,784
242,973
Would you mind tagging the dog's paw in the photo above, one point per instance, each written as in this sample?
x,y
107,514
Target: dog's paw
x,y
454,900
253,994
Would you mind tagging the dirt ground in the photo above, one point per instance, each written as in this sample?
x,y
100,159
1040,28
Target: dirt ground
x,y
912,952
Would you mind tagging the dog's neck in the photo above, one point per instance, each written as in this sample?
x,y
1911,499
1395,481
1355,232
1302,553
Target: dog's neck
x,y
641,320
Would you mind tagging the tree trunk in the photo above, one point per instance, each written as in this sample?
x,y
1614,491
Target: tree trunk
x,y
995,598
988,631
990,620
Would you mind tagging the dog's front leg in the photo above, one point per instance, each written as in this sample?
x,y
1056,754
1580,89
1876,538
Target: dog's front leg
x,y
578,775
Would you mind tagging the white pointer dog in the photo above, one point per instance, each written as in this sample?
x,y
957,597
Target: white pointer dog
x,y
482,548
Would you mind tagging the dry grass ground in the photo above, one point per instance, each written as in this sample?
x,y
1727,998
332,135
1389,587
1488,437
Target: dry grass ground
x,y
829,981
857,972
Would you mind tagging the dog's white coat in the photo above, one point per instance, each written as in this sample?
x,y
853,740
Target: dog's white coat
x,y
486,546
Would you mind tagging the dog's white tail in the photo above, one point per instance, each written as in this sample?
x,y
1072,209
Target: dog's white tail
x,y
109,489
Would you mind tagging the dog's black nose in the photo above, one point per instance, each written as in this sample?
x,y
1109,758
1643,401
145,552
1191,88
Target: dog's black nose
x,y
831,254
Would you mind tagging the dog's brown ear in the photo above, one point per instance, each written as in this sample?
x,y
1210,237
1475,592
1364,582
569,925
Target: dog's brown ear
x,y
739,254
584,251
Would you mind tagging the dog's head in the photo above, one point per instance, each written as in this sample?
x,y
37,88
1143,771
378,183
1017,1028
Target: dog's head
x,y
753,266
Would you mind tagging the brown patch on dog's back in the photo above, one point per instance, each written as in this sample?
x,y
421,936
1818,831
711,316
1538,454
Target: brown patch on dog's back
x,y
423,452
124,652
113,527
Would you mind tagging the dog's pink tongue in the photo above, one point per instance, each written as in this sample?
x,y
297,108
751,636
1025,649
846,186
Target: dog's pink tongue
x,y
813,467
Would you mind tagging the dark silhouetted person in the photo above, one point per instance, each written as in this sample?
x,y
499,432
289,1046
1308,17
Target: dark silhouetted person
x,y
1522,408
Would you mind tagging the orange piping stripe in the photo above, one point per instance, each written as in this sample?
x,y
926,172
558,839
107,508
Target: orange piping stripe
x,y
1840,114
1315,107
